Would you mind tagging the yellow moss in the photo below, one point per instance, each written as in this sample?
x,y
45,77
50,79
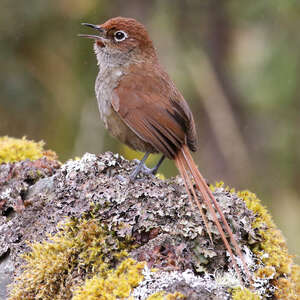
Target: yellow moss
x,y
175,296
12,150
80,247
266,272
220,184
295,278
83,247
289,288
273,251
244,294
116,284
157,296
162,295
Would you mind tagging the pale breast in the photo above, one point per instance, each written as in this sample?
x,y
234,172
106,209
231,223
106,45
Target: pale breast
x,y
106,81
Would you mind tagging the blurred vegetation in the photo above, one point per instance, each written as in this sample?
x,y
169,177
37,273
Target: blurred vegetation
x,y
236,62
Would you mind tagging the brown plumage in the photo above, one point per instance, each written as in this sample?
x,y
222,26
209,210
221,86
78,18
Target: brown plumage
x,y
141,106
153,108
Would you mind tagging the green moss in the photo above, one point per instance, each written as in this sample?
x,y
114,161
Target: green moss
x,y
289,288
244,294
162,295
54,268
12,150
272,250
273,243
116,284
80,262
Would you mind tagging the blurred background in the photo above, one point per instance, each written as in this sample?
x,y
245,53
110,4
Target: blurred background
x,y
237,63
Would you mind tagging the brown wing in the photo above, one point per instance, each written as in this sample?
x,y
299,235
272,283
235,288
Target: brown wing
x,y
153,108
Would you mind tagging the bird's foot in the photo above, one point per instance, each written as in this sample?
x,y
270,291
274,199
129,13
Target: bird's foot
x,y
141,168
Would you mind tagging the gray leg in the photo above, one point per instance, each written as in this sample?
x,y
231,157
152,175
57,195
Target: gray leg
x,y
141,167
155,169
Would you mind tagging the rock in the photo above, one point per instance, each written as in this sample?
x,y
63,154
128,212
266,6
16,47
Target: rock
x,y
151,218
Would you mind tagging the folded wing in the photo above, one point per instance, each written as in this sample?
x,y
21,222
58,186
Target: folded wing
x,y
152,107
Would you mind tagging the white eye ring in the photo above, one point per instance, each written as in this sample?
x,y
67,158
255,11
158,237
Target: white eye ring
x,y
120,36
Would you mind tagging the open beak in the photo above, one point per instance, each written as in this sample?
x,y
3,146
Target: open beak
x,y
100,37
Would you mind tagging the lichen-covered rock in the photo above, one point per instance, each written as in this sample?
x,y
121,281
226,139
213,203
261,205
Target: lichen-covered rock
x,y
148,221
16,179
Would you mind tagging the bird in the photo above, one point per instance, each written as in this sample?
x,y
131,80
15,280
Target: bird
x,y
141,107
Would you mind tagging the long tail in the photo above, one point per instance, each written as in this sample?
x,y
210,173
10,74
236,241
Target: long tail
x,y
187,168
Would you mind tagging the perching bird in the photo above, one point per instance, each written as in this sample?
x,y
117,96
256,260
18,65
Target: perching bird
x,y
141,106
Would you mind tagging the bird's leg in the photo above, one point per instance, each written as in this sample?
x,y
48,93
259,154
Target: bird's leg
x,y
142,168
139,167
155,168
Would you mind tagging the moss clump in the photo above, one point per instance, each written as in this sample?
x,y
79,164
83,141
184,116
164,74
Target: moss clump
x,y
12,150
164,296
289,288
273,243
244,294
115,284
273,252
55,267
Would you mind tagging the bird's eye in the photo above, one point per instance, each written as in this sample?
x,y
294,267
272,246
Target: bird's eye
x,y
120,36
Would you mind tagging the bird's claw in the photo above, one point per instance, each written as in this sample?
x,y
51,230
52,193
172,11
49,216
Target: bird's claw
x,y
141,168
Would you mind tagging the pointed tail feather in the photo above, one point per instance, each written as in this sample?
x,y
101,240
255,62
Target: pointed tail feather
x,y
191,192
185,164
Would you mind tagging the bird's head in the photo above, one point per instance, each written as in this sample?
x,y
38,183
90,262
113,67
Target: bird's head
x,y
119,40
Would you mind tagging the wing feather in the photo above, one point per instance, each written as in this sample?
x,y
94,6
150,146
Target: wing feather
x,y
153,108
